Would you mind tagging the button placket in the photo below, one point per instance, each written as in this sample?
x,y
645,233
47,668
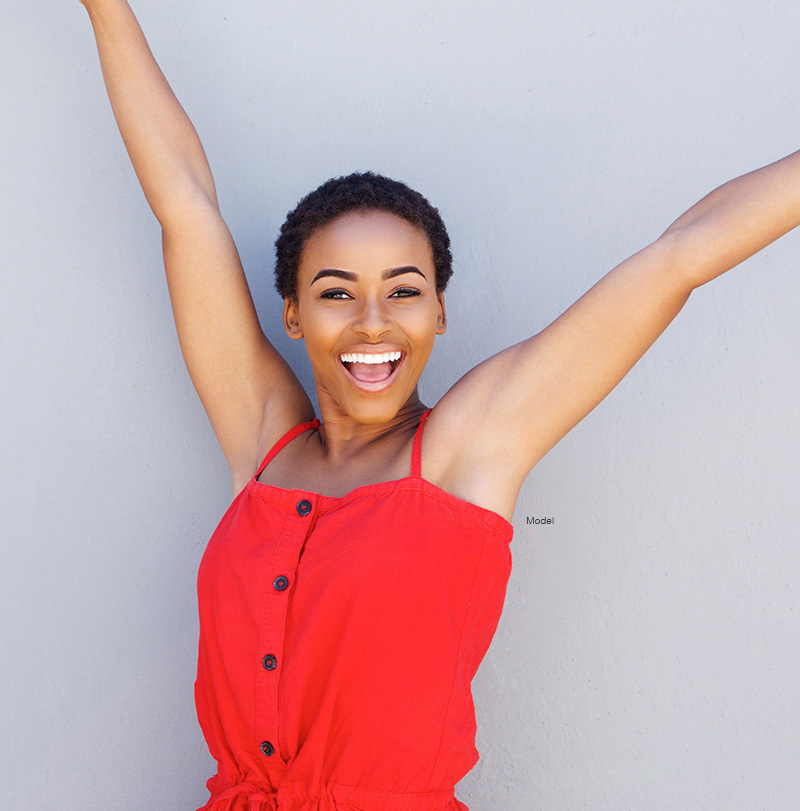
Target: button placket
x,y
277,593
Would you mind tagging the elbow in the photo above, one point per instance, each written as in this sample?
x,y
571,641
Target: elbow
x,y
680,258
190,203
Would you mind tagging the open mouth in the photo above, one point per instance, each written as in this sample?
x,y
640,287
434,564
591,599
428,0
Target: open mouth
x,y
372,372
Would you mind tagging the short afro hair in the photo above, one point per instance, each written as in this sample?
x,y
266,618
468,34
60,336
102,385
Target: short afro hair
x,y
360,191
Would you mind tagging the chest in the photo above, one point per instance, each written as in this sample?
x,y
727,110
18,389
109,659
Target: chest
x,y
304,468
302,465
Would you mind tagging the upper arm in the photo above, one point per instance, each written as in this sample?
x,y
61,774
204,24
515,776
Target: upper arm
x,y
519,403
234,368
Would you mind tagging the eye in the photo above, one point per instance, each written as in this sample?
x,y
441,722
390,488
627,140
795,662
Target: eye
x,y
406,292
337,293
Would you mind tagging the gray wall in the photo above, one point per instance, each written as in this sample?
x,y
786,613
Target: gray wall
x,y
648,655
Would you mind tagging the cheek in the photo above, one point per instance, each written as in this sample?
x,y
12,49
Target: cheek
x,y
322,326
422,325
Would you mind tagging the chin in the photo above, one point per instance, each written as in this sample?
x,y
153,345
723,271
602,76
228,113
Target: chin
x,y
374,413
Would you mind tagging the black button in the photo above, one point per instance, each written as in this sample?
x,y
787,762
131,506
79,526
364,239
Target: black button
x,y
303,507
267,748
270,662
280,583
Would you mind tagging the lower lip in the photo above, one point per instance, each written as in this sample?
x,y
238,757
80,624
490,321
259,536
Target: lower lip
x,y
378,385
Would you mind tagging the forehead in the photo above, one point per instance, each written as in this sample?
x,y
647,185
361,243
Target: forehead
x,y
365,241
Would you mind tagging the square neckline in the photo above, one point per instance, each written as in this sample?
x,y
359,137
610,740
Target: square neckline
x,y
491,516
367,489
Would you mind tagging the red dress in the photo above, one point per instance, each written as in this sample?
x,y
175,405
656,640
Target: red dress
x,y
338,641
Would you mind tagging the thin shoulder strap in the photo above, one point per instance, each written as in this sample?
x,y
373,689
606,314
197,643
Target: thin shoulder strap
x,y
286,439
416,451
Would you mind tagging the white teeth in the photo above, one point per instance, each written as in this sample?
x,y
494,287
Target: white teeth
x,y
386,357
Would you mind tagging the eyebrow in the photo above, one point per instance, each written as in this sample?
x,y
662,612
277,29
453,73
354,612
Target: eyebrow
x,y
353,277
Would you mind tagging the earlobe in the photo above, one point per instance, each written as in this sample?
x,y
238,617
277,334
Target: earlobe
x,y
291,319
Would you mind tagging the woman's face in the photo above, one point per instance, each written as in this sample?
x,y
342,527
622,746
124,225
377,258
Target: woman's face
x,y
366,285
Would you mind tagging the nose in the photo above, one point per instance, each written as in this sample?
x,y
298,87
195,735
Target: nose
x,y
372,320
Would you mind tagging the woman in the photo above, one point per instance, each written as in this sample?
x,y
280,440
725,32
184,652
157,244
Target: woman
x,y
355,582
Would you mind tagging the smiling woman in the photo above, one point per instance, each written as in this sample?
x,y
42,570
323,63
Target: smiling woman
x,y
355,582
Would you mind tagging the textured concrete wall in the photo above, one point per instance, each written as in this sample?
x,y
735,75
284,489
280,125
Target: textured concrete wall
x,y
648,655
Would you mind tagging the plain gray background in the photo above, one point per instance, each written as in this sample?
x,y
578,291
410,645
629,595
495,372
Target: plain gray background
x,y
648,654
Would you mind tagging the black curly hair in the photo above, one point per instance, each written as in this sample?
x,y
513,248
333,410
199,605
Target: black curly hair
x,y
360,191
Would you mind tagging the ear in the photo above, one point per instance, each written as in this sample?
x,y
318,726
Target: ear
x,y
291,319
441,321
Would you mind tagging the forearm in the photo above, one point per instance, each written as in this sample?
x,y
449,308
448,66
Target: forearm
x,y
161,141
737,220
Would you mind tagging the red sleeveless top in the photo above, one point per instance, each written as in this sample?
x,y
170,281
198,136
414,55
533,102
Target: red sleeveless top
x,y
338,640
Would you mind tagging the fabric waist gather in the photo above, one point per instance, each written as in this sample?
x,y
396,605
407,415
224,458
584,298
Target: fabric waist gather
x,y
330,797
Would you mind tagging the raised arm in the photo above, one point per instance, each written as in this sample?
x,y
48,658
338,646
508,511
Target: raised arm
x,y
517,404
241,379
